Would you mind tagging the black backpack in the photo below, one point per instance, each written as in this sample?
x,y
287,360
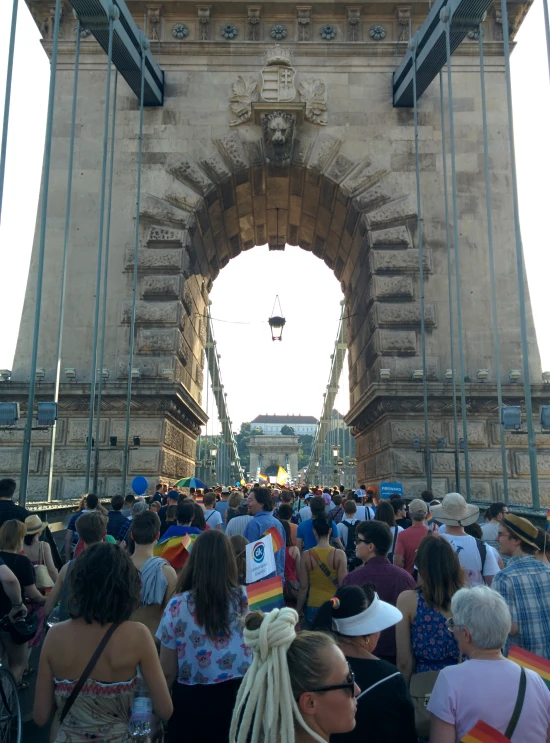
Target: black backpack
x,y
351,541
482,548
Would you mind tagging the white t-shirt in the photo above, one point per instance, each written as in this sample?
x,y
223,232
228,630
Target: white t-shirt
x,y
490,532
470,559
305,513
213,518
361,513
442,528
343,529
487,690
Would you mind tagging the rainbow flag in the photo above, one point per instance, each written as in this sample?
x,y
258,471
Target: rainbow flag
x,y
483,733
429,520
265,595
276,537
263,478
529,660
548,519
175,550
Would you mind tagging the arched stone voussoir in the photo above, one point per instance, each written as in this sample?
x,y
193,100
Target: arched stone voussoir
x,y
188,171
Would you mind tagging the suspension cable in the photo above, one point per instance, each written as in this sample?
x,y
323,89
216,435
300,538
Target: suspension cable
x,y
494,310
25,459
113,14
449,281
420,228
64,260
144,47
105,282
520,270
446,20
7,101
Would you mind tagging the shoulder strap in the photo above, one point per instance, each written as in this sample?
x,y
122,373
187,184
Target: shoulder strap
x,y
86,672
324,568
387,678
519,705
209,516
395,538
41,553
482,548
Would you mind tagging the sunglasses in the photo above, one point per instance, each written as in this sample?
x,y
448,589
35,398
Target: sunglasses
x,y
349,685
363,541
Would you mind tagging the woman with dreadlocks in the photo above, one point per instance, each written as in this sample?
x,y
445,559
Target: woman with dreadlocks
x,y
100,647
299,688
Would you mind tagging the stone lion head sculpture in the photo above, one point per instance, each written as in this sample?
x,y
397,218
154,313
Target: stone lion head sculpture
x,y
278,135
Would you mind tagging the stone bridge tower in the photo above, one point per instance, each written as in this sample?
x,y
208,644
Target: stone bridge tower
x,y
278,127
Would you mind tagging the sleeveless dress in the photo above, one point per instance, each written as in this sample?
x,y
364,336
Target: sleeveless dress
x,y
321,586
100,712
433,646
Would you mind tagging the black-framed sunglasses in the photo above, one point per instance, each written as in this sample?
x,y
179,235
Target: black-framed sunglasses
x,y
349,684
362,541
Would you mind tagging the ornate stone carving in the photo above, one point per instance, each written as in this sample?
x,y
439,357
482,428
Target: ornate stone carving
x,y
254,22
473,34
403,23
278,32
354,20
244,92
155,259
203,12
229,31
180,31
165,234
278,129
231,149
328,32
217,168
84,32
153,22
304,19
313,94
323,151
340,166
187,171
278,76
377,32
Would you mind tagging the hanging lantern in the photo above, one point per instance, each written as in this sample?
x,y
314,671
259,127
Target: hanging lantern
x,y
276,322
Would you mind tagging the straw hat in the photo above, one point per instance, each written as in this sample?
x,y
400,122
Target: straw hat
x,y
521,529
454,511
34,524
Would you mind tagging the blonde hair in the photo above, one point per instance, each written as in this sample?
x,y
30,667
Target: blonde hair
x,y
284,666
12,534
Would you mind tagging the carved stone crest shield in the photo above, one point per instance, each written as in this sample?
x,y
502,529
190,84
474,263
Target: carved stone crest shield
x,y
278,84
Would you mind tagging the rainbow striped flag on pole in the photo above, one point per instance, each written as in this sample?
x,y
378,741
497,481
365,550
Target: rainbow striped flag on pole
x,y
530,660
548,519
484,733
175,549
265,595
276,537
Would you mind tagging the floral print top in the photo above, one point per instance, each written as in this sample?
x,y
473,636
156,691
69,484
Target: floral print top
x,y
433,646
201,660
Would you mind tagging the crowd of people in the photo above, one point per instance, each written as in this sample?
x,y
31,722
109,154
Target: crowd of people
x,y
396,621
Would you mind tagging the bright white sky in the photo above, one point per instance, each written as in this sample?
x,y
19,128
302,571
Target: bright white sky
x,y
261,376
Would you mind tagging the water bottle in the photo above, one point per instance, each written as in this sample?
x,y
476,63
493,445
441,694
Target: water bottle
x,y
141,716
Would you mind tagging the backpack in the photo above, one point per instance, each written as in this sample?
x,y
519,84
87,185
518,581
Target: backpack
x,y
350,545
482,548
296,519
390,554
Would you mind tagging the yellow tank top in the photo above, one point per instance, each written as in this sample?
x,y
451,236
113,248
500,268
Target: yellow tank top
x,y
321,587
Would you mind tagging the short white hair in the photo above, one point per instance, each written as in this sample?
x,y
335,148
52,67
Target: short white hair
x,y
484,613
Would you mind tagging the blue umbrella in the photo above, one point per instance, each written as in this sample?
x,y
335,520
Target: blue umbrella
x,y
190,482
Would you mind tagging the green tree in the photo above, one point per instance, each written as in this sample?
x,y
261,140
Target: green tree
x,y
287,431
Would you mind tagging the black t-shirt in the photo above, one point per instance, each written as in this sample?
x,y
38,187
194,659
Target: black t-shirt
x,y
22,568
10,510
403,523
384,714
115,521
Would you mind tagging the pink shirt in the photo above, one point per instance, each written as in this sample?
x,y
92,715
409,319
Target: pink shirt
x,y
407,545
487,690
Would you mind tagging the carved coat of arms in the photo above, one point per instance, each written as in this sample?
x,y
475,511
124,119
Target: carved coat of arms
x,y
278,77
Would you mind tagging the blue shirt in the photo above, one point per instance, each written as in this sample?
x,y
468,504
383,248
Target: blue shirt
x,y
221,508
180,531
256,528
305,532
525,586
